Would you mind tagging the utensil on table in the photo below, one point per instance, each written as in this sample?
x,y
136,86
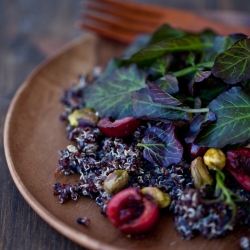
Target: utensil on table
x,y
123,21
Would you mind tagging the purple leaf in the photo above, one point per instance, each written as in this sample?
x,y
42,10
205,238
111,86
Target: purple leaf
x,y
143,106
168,84
161,146
198,77
197,103
202,75
196,124
160,96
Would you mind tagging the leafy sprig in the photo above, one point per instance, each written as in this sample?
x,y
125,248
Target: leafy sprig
x,y
226,196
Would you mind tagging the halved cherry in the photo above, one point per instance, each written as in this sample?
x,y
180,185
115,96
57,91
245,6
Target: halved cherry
x,y
238,164
193,151
131,212
118,128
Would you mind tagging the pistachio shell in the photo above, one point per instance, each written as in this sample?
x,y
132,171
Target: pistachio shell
x,y
116,181
215,159
160,198
86,114
200,173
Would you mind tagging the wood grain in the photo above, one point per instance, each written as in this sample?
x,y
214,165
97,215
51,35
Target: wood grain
x,y
30,31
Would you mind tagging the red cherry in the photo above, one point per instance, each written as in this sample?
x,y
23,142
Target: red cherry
x,y
131,212
118,128
193,151
238,164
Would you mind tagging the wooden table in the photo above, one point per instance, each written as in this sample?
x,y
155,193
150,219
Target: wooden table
x,y
30,31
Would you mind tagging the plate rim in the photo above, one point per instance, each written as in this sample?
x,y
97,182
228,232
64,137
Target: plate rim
x,y
61,227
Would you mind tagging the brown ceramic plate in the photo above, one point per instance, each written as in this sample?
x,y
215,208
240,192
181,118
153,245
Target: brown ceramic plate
x,y
33,135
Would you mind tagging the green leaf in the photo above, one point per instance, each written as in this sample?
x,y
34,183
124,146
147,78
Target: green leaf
x,y
139,43
214,88
113,64
221,44
111,96
165,32
161,65
232,110
208,36
191,59
233,65
185,43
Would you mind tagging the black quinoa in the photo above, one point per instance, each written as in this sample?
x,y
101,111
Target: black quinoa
x,y
94,156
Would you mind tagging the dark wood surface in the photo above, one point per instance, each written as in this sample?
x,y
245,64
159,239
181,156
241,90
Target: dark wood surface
x,y
30,31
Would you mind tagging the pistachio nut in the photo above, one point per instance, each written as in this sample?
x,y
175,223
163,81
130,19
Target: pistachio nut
x,y
84,114
116,181
160,198
215,159
200,173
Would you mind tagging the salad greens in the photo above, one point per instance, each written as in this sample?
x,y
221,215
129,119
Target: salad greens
x,y
198,81
185,43
172,113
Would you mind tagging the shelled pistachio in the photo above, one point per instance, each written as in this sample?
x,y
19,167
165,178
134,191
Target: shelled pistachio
x,y
200,173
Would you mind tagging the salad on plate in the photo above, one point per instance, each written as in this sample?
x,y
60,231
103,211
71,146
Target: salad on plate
x,y
164,128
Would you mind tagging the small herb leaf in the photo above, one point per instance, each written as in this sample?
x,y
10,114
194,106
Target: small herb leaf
x,y
233,65
221,44
197,123
139,43
161,147
168,83
161,65
202,75
165,32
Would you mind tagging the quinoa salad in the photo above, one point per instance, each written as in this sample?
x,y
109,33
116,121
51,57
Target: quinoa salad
x,y
164,128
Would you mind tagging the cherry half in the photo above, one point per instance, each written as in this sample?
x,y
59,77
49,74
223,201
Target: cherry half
x,y
131,212
193,151
118,128
238,164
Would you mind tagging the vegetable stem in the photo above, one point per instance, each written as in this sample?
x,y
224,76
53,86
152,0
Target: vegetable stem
x,y
192,69
145,145
220,177
188,110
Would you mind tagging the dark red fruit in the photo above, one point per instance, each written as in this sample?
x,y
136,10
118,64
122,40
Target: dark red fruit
x,y
118,128
238,164
131,212
193,151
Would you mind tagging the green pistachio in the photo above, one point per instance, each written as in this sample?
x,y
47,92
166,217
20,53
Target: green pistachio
x,y
86,114
160,198
215,159
116,181
200,173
